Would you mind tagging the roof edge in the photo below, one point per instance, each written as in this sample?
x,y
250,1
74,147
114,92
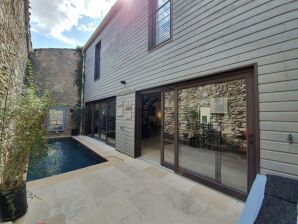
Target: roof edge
x,y
103,24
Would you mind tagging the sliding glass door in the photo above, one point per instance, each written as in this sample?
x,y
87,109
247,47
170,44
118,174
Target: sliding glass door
x,y
206,127
212,132
96,119
111,121
168,129
101,120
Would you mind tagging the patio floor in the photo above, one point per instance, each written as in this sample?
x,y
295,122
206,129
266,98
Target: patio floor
x,y
126,191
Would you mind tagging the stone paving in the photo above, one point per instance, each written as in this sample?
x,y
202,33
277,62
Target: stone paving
x,y
125,191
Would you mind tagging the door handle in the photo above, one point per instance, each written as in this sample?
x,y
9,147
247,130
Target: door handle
x,y
251,139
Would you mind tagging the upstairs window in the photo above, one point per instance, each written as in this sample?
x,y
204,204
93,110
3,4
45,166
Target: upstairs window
x,y
97,61
160,22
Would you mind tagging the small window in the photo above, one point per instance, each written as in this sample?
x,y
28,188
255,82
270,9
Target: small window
x,y
97,61
160,22
56,119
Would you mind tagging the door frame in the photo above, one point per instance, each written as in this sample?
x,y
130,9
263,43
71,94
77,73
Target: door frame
x,y
138,119
253,156
92,103
162,161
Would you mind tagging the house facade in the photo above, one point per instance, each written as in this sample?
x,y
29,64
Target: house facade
x,y
208,89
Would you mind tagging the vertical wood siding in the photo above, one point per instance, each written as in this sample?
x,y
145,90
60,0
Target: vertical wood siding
x,y
208,37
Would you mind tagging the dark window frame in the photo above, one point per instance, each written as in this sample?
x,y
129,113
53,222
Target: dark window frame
x,y
91,106
97,63
253,156
153,10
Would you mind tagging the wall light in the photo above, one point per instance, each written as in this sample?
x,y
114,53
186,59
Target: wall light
x,y
158,114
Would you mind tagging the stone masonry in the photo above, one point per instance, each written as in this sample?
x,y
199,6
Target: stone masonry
x,y
55,70
14,43
231,125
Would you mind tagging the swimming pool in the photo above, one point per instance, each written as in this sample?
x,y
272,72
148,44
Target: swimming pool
x,y
63,156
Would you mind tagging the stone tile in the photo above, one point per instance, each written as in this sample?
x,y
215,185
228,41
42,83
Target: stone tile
x,y
140,164
114,176
58,219
97,186
212,197
137,218
76,204
179,182
225,219
209,214
43,203
183,202
118,207
126,190
156,172
157,210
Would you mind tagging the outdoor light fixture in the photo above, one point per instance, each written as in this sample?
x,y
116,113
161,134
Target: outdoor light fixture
x,y
290,139
123,82
158,115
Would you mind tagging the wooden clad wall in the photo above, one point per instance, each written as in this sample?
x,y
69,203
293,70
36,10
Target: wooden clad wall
x,y
208,37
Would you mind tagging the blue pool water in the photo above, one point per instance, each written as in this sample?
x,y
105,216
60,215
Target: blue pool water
x,y
63,156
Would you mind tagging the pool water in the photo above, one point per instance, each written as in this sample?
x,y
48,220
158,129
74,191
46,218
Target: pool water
x,y
63,156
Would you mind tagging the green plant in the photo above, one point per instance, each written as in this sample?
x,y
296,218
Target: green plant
x,y
77,113
79,79
22,132
193,117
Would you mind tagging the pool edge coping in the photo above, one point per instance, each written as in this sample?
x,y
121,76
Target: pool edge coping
x,y
110,160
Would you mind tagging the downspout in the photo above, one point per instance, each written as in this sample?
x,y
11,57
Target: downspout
x,y
82,92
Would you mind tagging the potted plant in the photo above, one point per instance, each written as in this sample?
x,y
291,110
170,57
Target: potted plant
x,y
22,134
77,116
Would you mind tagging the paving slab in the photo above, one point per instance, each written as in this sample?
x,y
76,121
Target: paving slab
x,y
125,190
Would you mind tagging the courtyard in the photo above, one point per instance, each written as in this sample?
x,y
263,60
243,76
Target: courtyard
x,y
125,190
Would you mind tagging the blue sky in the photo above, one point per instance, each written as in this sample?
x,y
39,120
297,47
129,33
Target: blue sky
x,y
65,23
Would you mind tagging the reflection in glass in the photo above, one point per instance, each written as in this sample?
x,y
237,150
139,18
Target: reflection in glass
x,y
169,127
163,23
111,121
212,132
96,119
88,118
103,120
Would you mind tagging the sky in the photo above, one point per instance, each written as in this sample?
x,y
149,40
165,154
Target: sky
x,y
65,23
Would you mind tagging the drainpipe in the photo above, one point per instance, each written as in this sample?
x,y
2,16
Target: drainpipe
x,y
83,89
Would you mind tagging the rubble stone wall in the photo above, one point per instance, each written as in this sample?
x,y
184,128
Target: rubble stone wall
x,y
14,43
55,71
231,125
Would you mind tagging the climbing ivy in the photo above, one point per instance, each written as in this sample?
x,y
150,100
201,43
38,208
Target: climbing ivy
x,y
77,113
79,79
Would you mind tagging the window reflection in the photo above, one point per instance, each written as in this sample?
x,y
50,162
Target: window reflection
x,y
212,132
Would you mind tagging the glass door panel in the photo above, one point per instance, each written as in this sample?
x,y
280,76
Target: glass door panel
x,y
96,120
103,121
233,126
197,141
168,129
212,132
89,124
111,121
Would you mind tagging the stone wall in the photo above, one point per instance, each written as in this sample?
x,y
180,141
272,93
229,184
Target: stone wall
x,y
14,43
230,126
55,70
